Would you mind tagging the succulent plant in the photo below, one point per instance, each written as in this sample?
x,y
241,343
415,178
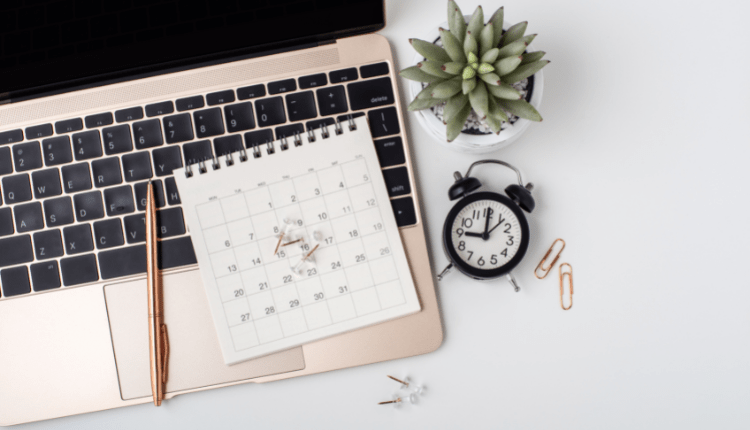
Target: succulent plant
x,y
475,69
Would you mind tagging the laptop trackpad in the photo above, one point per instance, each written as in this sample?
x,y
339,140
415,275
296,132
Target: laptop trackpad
x,y
195,358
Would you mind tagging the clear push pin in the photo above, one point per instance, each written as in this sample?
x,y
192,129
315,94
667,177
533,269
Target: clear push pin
x,y
284,231
399,400
407,385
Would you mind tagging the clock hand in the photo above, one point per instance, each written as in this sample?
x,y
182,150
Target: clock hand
x,y
472,234
498,225
486,234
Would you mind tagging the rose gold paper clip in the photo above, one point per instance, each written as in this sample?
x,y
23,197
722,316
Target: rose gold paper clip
x,y
545,270
566,274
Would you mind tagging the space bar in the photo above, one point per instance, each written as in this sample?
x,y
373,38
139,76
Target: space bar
x,y
122,262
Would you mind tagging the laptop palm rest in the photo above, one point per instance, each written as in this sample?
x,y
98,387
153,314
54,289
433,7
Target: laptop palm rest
x,y
195,359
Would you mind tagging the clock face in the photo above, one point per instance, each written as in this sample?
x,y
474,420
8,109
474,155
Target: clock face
x,y
486,235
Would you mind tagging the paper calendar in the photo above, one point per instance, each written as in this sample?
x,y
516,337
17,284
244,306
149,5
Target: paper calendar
x,y
297,242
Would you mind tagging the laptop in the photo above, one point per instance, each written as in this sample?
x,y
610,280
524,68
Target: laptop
x,y
96,99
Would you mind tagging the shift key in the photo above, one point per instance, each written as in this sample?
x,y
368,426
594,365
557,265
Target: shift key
x,y
371,93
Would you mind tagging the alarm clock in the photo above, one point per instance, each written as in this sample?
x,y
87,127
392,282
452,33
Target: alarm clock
x,y
486,234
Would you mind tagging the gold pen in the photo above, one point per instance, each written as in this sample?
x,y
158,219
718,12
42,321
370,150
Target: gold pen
x,y
158,341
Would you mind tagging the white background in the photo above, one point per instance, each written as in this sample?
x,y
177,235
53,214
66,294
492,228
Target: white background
x,y
641,166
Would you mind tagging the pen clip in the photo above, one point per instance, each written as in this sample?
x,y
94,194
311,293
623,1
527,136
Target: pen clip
x,y
165,352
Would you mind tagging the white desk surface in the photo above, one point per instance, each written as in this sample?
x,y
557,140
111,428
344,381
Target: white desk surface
x,y
641,166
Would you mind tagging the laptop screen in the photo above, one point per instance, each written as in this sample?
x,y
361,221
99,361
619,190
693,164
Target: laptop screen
x,y
51,45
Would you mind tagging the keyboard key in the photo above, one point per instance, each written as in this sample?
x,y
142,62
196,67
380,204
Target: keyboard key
x,y
176,253
123,262
169,223
46,183
301,106
28,217
228,144
68,126
346,118
107,172
251,92
372,70
325,122
313,81
220,98
260,137
141,191
370,94
48,244
15,281
89,206
284,86
16,250
78,239
390,151
404,211
167,160
289,131
59,212
135,228
27,156
147,134
76,177
178,128
332,101
108,234
79,270
16,189
6,222
173,194
119,200
383,122
197,151
39,131
137,167
345,75
57,151
6,162
98,120
45,276
190,103
12,136
270,111
208,123
130,114
239,117
397,181
117,139
87,145
156,109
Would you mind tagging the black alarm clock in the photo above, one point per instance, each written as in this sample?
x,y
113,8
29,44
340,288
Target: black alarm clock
x,y
486,234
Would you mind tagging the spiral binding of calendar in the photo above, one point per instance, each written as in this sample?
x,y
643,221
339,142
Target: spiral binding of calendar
x,y
270,147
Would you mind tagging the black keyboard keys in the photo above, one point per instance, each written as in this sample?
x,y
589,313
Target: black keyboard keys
x,y
260,137
370,94
76,177
57,151
39,131
28,217
176,253
45,276
78,239
6,162
390,151
190,103
313,81
270,111
197,151
344,75
173,194
318,123
46,183
178,128
289,131
141,191
251,92
135,228
239,117
119,200
397,181
170,223
404,211
284,86
137,167
68,126
6,222
15,281
87,145
98,120
59,212
372,70
162,108
123,262
117,139
12,136
27,156
16,189
79,270
89,206
228,144
108,234
147,134
220,97
48,244
332,101
16,250
130,114
208,123
383,122
301,106
107,172
167,160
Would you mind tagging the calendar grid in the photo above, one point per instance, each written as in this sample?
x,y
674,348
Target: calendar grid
x,y
296,285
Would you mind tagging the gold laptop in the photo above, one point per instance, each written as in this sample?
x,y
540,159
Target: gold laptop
x,y
94,103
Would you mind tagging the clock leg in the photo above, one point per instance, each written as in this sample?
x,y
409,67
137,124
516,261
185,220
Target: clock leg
x,y
445,271
512,281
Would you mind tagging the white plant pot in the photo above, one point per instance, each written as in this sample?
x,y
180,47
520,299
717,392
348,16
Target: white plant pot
x,y
473,143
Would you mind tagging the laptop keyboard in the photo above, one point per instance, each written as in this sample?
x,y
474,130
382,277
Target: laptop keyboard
x,y
74,192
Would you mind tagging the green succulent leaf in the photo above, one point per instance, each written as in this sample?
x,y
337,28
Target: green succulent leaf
x,y
490,56
426,93
447,89
456,21
430,51
454,68
454,106
471,58
470,45
530,57
486,37
434,69
414,73
497,25
478,99
452,46
474,66
490,78
514,49
507,65
485,68
456,124
497,110
528,39
468,85
476,23
494,120
468,73
524,71
419,104
504,91
521,108
514,33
